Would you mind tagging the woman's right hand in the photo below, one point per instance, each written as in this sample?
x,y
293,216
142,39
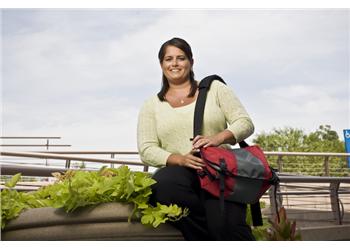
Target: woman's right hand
x,y
189,160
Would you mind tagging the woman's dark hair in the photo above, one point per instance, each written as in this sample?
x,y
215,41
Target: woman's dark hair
x,y
185,47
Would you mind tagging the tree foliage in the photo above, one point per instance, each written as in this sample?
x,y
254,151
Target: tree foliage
x,y
289,139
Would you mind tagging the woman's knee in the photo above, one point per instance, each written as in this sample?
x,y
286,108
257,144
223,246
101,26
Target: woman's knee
x,y
171,173
175,185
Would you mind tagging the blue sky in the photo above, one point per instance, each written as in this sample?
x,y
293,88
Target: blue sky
x,y
83,74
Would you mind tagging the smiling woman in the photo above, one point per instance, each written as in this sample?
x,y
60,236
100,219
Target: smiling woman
x,y
176,60
165,127
176,67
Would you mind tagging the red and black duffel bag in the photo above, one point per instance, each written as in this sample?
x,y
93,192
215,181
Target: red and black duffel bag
x,y
241,175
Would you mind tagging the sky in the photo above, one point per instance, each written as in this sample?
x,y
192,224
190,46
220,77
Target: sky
x,y
83,74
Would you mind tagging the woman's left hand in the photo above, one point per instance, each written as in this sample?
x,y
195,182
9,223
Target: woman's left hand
x,y
225,136
206,141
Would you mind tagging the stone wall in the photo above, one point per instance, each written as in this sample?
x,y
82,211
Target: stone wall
x,y
107,221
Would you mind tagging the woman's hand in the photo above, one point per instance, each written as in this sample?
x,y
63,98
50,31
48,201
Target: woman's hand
x,y
206,141
215,140
192,161
189,160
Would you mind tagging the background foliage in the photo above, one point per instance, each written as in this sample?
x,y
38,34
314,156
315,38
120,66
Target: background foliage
x,y
288,139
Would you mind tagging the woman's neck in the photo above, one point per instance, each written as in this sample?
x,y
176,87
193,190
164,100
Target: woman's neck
x,y
180,86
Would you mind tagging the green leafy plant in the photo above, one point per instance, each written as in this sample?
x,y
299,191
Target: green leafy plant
x,y
13,202
78,188
283,229
276,230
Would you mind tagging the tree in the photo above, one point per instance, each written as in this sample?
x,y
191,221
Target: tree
x,y
325,140
288,139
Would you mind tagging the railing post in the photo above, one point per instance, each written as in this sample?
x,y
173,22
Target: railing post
x,y
334,187
67,164
145,168
326,165
112,164
279,163
47,148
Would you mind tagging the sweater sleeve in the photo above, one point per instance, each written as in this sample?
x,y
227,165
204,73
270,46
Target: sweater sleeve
x,y
239,122
147,140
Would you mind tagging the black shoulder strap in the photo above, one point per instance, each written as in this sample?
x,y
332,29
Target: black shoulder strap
x,y
203,88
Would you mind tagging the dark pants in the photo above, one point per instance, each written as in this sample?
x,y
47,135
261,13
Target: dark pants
x,y
180,185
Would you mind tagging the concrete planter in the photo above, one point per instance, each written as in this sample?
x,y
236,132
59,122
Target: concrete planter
x,y
107,221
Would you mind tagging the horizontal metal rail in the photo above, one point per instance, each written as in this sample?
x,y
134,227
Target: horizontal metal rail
x,y
313,179
325,155
30,137
32,170
35,145
46,145
268,153
68,152
280,155
321,154
310,193
66,157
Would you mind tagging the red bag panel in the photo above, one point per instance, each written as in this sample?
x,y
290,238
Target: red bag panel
x,y
250,162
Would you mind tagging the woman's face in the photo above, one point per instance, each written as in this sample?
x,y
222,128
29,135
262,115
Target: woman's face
x,y
175,65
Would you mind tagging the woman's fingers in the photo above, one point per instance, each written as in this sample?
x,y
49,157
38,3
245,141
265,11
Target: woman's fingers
x,y
194,161
197,141
203,142
198,137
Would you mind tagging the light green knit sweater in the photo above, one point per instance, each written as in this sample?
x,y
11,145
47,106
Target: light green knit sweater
x,y
163,130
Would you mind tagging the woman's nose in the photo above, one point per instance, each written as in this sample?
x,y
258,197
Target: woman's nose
x,y
174,62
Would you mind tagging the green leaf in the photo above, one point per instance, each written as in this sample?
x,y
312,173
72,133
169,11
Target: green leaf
x,y
147,219
13,181
158,220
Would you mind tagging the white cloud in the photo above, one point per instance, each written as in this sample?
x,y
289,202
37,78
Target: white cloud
x,y
304,107
83,75
303,99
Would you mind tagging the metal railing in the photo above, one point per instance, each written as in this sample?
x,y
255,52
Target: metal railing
x,y
280,155
325,155
47,144
113,154
333,191
8,167
66,155
33,170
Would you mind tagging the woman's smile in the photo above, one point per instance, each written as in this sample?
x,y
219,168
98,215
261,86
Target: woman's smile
x,y
176,66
